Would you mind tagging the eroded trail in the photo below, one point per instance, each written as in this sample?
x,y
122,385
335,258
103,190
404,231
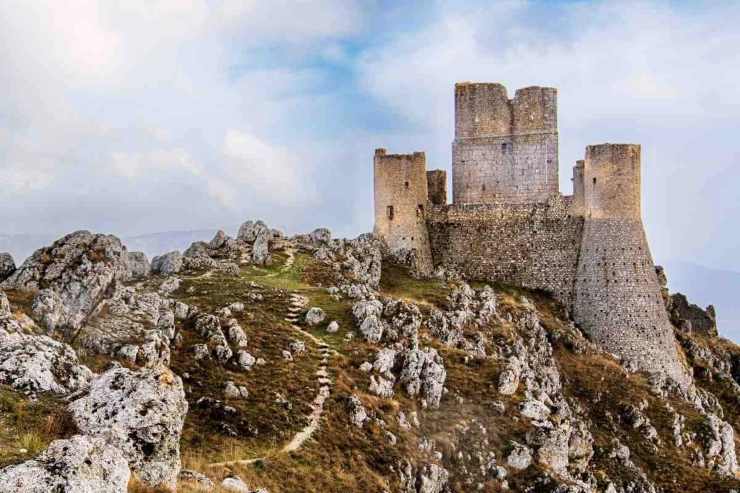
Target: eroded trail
x,y
297,305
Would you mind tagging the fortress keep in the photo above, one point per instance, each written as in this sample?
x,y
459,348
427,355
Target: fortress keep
x,y
509,223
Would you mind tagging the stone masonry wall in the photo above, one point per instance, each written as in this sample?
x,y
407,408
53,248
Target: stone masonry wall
x,y
437,186
534,245
401,202
617,293
617,297
504,150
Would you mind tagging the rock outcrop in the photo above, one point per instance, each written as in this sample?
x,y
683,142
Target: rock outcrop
x,y
78,465
142,414
75,272
34,364
7,266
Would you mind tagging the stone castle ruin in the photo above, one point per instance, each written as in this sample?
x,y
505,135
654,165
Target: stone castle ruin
x,y
509,223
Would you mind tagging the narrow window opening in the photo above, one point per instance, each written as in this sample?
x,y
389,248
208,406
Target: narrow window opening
x,y
406,185
389,211
594,180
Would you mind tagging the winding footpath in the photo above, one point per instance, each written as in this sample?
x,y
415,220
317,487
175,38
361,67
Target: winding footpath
x,y
297,305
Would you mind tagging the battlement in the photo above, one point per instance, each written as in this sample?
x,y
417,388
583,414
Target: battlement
x,y
485,110
611,176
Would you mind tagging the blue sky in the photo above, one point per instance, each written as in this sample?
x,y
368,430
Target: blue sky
x,y
190,114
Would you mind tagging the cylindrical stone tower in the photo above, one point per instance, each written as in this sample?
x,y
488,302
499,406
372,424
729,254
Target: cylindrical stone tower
x,y
617,294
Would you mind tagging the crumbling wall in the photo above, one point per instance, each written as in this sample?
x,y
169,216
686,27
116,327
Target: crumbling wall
x,y
531,245
437,186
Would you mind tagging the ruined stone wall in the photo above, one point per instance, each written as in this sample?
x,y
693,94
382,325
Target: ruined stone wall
x,y
401,202
437,186
531,245
579,193
504,150
617,299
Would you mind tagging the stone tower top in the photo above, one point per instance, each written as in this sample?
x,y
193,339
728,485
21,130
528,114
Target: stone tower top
x,y
485,110
611,176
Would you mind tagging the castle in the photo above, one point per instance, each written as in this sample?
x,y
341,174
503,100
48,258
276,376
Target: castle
x,y
509,223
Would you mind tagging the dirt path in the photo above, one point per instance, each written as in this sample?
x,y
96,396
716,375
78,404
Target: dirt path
x,y
297,304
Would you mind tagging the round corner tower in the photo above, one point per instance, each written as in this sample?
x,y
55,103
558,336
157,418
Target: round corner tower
x,y
617,295
401,200
505,150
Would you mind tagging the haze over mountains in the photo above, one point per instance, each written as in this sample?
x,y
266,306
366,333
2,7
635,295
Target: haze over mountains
x,y
703,285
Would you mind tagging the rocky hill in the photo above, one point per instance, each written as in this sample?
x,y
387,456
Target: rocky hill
x,y
305,364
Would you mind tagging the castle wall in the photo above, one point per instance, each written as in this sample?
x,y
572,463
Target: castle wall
x,y
437,186
531,245
579,193
401,201
504,150
617,298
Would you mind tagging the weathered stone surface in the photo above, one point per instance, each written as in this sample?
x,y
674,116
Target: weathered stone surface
x,y
315,316
40,364
80,464
691,318
7,266
167,264
141,413
196,480
320,236
137,265
79,268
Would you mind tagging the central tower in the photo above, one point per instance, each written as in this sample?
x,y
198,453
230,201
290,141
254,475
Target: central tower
x,y
505,150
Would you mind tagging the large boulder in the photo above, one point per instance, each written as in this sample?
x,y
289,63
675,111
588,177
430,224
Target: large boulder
x,y
249,230
140,412
138,266
261,247
320,236
7,266
167,264
40,364
80,464
79,268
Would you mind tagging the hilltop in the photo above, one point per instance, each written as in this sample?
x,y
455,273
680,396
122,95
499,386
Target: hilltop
x,y
262,362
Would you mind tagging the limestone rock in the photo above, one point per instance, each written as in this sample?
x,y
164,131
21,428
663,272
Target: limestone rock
x,y
218,240
320,236
197,480
333,327
40,364
80,464
315,316
261,246
7,266
249,230
141,413
357,412
520,457
137,265
432,478
49,308
167,264
80,268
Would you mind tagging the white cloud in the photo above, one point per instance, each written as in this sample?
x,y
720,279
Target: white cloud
x,y
136,165
268,171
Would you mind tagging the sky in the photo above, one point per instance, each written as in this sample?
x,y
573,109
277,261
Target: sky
x,y
160,115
